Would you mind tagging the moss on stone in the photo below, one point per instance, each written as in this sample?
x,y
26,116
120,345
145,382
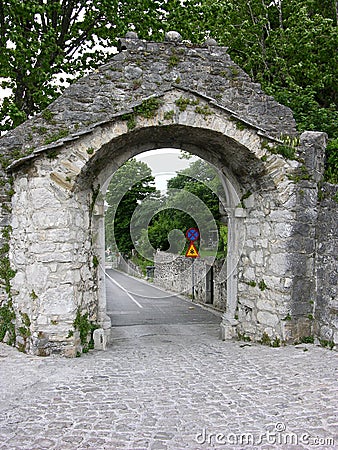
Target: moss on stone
x,y
56,136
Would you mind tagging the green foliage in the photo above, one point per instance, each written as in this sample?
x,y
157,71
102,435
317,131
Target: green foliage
x,y
6,273
173,60
86,329
47,115
41,39
183,103
179,210
275,342
265,38
262,285
6,232
83,326
289,47
325,343
243,337
25,319
7,314
331,173
130,184
148,108
52,154
223,241
141,262
24,332
285,150
203,110
161,226
287,317
131,120
7,318
265,340
240,125
96,262
56,136
307,340
33,295
300,174
288,149
168,115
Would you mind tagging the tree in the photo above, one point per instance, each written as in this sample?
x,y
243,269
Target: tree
x,y
289,46
130,184
202,180
42,38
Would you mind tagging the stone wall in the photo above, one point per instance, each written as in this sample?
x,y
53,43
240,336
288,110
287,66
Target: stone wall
x,y
326,306
128,267
178,274
55,269
264,273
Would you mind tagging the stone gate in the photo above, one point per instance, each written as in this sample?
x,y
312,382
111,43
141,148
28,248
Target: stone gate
x,y
57,166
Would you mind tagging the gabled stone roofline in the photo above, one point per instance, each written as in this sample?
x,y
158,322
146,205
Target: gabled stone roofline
x,y
45,149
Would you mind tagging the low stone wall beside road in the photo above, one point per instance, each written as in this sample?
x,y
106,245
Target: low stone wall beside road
x,y
178,274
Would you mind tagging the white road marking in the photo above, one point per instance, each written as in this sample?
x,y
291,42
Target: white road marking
x,y
124,290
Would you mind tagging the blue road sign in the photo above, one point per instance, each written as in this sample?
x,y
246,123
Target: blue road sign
x,y
192,234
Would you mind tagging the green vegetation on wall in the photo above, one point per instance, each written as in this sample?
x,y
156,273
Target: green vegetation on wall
x,y
7,314
86,328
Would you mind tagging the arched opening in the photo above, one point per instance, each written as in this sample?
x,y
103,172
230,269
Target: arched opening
x,y
240,171
74,182
141,229
145,225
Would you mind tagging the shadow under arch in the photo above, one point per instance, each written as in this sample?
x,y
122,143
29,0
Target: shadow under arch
x,y
236,161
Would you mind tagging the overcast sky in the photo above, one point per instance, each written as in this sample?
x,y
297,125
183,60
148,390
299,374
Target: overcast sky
x,y
164,163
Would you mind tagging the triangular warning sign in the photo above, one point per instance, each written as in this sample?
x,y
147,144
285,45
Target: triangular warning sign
x,y
192,251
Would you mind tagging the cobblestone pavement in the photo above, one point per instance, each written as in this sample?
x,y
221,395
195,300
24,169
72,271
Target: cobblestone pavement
x,y
170,387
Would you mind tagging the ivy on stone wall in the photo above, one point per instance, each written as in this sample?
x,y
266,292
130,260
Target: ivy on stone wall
x,y
7,314
7,324
86,328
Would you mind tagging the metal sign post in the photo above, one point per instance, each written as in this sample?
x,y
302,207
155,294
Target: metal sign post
x,y
192,281
192,235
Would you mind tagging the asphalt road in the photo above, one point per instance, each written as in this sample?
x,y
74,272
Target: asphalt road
x,y
135,302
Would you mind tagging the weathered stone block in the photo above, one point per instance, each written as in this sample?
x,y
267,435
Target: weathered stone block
x,y
267,318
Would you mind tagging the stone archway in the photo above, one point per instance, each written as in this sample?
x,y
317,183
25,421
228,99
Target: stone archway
x,y
56,243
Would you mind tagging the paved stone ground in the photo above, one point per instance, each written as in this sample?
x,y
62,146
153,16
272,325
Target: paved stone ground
x,y
170,387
